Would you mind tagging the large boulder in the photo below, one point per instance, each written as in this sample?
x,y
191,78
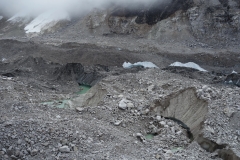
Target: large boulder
x,y
233,78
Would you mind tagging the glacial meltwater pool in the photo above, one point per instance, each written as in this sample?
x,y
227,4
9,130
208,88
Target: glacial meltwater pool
x,y
64,103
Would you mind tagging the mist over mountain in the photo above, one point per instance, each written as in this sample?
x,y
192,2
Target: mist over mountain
x,y
74,7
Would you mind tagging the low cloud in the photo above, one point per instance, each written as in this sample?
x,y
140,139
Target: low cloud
x,y
74,7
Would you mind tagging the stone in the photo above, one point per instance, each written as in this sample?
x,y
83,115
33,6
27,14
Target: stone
x,y
79,109
10,151
163,123
157,156
118,122
130,105
19,141
166,126
89,140
34,152
228,112
169,123
151,126
13,157
158,118
64,149
140,137
146,111
17,152
168,153
45,144
150,88
64,141
122,104
120,96
75,148
219,141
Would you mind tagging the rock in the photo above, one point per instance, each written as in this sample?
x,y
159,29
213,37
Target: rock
x,y
228,111
89,140
168,153
157,156
233,78
140,137
45,144
79,109
17,153
210,129
130,105
75,148
122,104
19,141
64,149
8,123
219,141
146,111
118,122
124,125
4,150
169,123
10,151
6,156
150,88
163,123
64,141
151,126
21,154
58,116
34,152
166,126
84,137
158,118
120,96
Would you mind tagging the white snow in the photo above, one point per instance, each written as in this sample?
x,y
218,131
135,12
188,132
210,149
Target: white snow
x,y
234,71
19,17
144,64
188,65
46,20
1,17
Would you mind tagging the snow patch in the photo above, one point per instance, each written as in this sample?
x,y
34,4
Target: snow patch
x,y
188,65
21,17
142,64
46,20
1,17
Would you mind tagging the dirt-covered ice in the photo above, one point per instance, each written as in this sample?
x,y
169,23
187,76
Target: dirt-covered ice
x,y
65,93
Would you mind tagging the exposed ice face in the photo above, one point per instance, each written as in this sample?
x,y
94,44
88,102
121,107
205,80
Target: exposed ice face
x,y
142,64
46,20
188,65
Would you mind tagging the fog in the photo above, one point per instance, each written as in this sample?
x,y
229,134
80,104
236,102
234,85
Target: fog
x,y
73,7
